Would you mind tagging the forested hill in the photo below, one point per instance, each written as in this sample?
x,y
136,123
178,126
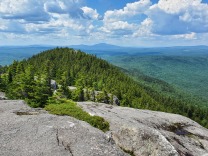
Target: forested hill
x,y
30,80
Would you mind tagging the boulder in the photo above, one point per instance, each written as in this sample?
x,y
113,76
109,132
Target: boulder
x,y
72,88
54,85
2,96
116,100
144,132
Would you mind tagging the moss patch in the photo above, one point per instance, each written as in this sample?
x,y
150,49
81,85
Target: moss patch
x,y
71,109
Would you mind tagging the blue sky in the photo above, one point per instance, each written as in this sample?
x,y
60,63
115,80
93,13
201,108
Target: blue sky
x,y
120,22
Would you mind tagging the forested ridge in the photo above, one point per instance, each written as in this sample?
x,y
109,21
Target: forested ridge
x,y
30,80
187,72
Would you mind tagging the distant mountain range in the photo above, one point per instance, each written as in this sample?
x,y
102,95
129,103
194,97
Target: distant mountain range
x,y
103,46
116,49
19,52
100,46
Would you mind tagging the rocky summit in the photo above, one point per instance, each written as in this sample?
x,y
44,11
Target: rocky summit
x,y
26,131
144,132
33,132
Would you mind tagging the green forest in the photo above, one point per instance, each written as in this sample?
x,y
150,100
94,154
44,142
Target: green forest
x,y
30,80
187,74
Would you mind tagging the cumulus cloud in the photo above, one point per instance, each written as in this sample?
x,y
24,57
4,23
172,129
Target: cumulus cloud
x,y
191,36
144,29
167,17
120,21
23,9
40,10
91,13
179,17
46,17
130,10
176,6
2,25
70,7
118,28
174,19
61,23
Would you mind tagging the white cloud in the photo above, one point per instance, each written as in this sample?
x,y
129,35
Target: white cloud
x,y
176,6
3,25
10,7
167,20
119,28
179,17
46,17
118,21
30,11
191,36
167,17
60,23
90,13
70,7
69,19
41,10
144,29
130,10
118,25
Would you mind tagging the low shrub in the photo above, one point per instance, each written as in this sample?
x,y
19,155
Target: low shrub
x,y
70,108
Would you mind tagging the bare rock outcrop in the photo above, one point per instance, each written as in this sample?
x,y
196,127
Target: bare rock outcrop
x,y
33,132
151,133
2,96
54,85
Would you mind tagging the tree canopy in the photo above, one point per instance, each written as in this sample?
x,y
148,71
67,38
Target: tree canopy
x,y
30,80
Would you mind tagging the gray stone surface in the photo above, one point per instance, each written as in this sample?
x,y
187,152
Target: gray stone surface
x,y
54,85
2,96
34,132
116,100
150,133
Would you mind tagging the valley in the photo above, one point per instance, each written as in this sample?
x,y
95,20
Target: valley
x,y
29,80
184,68
188,74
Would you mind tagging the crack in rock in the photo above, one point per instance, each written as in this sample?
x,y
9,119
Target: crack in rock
x,y
69,149
66,147
57,138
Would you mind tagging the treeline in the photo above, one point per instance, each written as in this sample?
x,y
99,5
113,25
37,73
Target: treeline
x,y
30,80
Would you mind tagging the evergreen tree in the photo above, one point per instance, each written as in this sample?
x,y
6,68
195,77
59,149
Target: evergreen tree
x,y
78,94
